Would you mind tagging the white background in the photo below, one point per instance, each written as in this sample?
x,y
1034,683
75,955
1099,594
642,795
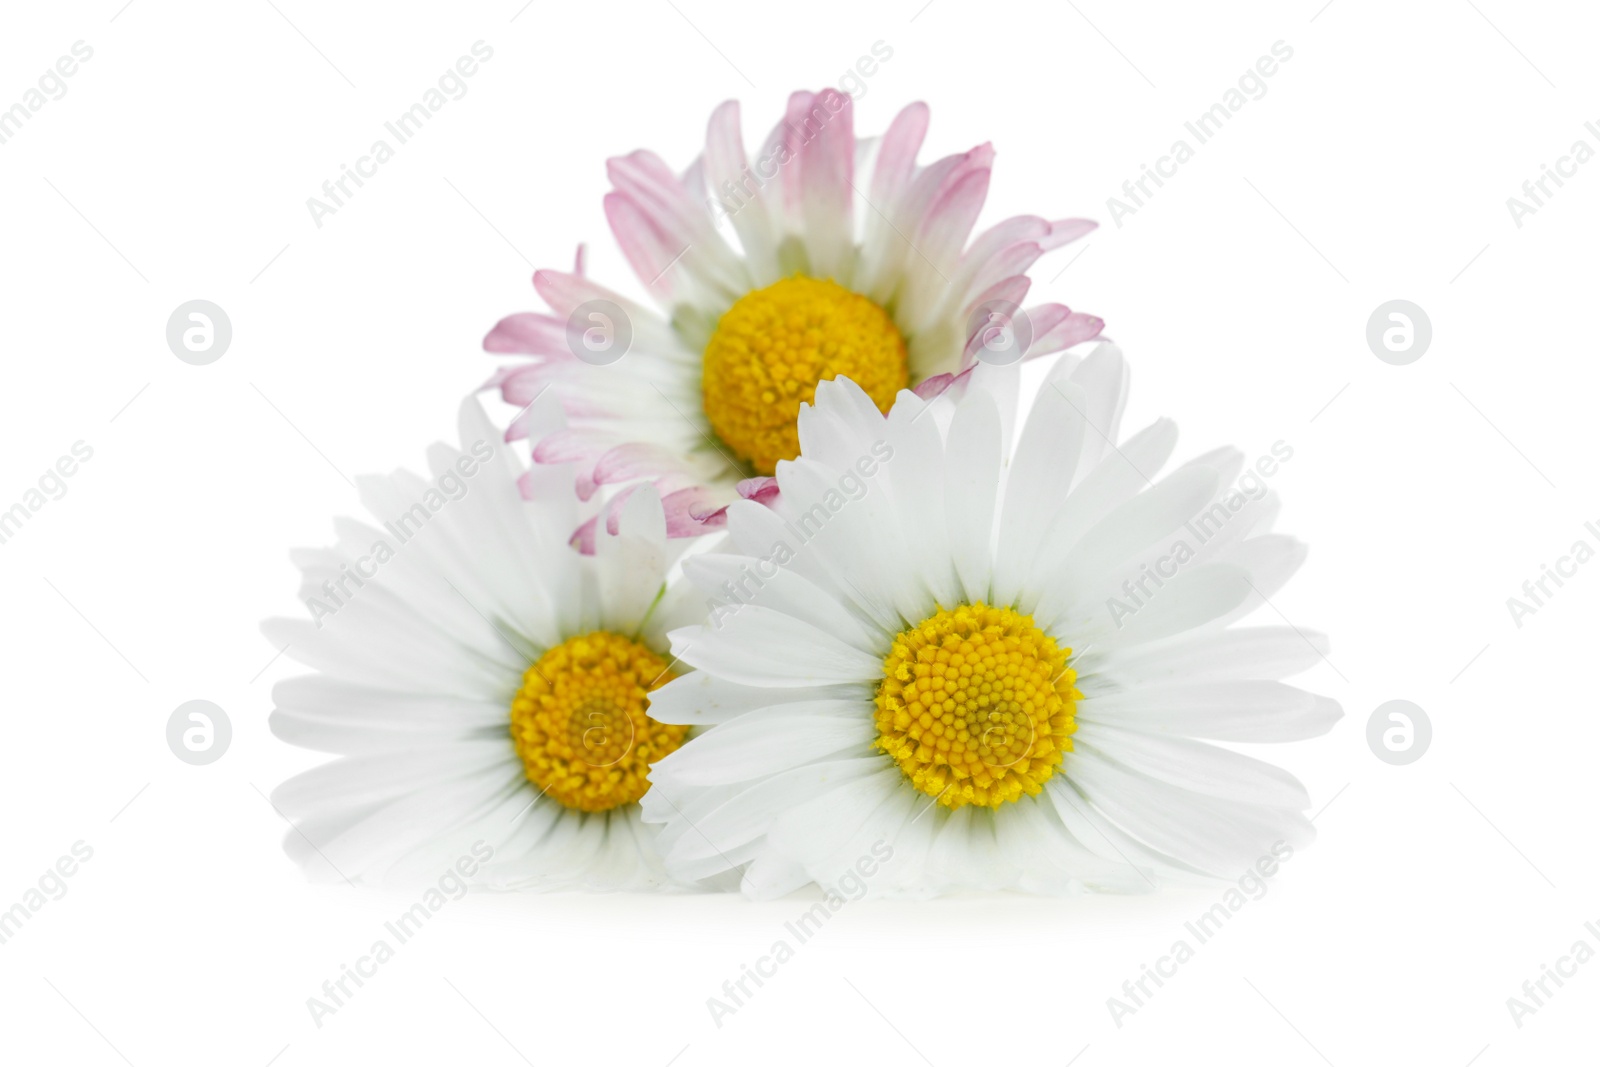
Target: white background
x,y
1377,166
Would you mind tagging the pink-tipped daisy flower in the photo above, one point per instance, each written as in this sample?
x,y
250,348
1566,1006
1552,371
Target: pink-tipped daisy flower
x,y
820,256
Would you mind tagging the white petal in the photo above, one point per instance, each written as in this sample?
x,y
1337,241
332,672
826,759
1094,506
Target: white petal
x,y
700,698
767,647
769,741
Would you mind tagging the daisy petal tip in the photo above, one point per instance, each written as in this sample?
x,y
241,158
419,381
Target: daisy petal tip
x,y
496,340
713,520
762,490
1065,231
838,393
278,726
934,386
1104,348
472,421
641,515
683,638
583,538
759,889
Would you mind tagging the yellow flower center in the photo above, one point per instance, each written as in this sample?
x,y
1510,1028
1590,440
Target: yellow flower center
x,y
580,725
976,705
774,345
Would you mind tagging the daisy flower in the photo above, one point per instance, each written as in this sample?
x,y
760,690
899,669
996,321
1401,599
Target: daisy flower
x,y
999,667
819,256
485,686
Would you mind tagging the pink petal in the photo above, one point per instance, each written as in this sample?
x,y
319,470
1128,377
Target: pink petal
x,y
648,251
528,333
949,220
525,487
1009,261
1070,328
932,387
897,155
791,134
691,512
828,168
1019,229
519,385
564,292
725,157
648,183
737,188
635,459
932,181
573,445
1065,231
613,508
580,447
583,537
762,490
1012,291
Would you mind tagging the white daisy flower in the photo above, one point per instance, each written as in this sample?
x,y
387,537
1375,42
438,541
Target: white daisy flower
x,y
1002,666
485,685
851,260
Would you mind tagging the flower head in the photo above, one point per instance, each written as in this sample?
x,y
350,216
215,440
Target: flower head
x,y
1004,665
818,256
486,687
